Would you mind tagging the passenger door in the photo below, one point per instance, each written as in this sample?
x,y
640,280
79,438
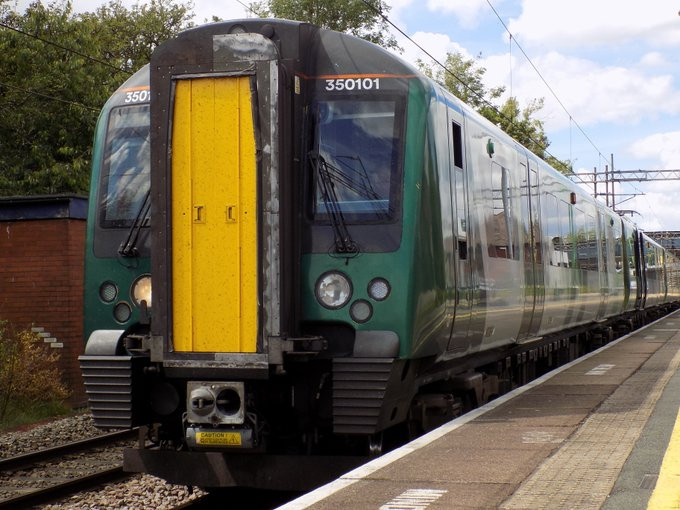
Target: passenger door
x,y
534,289
214,216
463,293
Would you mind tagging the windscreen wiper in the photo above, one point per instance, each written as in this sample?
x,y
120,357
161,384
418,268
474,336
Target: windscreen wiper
x,y
128,248
358,181
343,239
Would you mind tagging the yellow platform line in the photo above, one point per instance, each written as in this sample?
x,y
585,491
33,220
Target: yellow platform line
x,y
666,494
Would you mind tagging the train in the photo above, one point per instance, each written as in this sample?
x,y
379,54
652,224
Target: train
x,y
342,255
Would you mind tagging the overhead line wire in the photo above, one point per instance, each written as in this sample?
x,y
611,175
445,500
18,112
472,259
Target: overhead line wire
x,y
387,20
477,94
70,50
248,7
47,96
571,117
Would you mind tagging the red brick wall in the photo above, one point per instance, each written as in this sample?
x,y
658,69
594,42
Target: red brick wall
x,y
41,285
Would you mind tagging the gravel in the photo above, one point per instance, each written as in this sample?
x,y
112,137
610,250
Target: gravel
x,y
139,492
64,430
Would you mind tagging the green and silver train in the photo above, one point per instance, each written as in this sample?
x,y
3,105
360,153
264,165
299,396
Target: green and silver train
x,y
342,254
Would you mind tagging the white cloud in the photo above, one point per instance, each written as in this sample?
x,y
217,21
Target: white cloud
x,y
658,207
592,93
661,147
654,59
586,23
398,5
437,45
467,11
223,9
657,210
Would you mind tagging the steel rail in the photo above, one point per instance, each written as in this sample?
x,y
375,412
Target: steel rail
x,y
47,494
27,459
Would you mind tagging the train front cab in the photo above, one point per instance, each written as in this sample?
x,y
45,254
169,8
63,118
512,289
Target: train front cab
x,y
117,289
256,356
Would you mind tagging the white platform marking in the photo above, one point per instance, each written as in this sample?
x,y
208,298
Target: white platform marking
x,y
539,437
414,499
600,369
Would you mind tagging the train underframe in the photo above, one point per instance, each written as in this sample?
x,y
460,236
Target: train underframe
x,y
313,419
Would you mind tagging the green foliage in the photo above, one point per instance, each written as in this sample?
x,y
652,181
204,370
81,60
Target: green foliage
x,y
464,79
50,96
522,124
29,372
350,16
19,414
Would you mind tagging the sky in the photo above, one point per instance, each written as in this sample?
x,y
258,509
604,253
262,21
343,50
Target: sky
x,y
608,72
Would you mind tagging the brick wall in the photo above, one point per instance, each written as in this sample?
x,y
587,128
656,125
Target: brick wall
x,y
42,246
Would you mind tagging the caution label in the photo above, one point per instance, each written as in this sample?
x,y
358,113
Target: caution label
x,y
218,438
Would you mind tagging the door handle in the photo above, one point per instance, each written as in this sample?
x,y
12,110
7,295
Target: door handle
x,y
232,214
199,214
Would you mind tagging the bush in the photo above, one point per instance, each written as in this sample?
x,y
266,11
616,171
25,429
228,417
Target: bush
x,y
29,372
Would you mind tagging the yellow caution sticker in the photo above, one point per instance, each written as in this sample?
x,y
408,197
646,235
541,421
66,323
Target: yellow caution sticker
x,y
218,438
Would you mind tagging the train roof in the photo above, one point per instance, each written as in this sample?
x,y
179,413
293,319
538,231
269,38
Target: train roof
x,y
138,81
318,51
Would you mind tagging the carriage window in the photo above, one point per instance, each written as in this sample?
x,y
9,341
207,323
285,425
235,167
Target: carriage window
x,y
125,173
582,248
605,233
501,225
588,257
651,256
356,159
618,247
567,240
457,145
551,220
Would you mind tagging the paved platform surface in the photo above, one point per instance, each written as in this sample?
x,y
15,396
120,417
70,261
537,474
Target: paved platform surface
x,y
601,432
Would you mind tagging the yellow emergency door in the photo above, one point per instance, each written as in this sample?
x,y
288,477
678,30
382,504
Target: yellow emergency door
x,y
214,217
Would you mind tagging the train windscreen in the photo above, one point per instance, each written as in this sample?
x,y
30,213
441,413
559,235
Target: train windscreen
x,y
125,172
356,159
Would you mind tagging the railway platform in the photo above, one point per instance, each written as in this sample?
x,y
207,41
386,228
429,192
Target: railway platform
x,y
600,432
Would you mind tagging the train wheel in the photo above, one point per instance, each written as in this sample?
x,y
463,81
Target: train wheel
x,y
375,445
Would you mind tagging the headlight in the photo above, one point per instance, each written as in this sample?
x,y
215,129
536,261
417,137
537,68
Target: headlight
x,y
108,292
141,290
333,290
361,311
379,289
122,312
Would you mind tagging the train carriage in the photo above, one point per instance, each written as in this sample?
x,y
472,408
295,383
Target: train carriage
x,y
342,253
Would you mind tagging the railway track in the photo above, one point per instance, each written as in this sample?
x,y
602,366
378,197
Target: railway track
x,y
52,473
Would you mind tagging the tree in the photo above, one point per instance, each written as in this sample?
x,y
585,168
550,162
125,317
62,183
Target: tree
x,y
129,36
464,79
350,16
58,69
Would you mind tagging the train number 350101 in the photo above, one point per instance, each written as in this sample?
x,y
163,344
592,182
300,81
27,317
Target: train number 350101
x,y
137,96
340,84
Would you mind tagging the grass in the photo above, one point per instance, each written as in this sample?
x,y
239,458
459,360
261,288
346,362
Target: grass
x,y
20,414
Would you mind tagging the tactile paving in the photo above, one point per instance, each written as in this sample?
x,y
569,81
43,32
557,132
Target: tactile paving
x,y
583,471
